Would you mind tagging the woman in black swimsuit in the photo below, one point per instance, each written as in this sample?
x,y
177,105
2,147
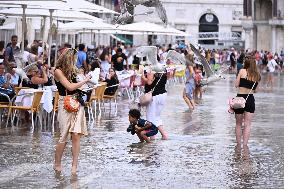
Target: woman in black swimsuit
x,y
247,82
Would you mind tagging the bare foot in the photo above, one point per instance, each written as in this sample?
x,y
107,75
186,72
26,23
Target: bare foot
x,y
165,137
57,168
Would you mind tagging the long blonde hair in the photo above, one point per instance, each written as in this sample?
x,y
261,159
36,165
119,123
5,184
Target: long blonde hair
x,y
252,70
66,62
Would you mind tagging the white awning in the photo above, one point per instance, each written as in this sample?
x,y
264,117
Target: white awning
x,y
57,14
151,28
87,25
78,5
8,26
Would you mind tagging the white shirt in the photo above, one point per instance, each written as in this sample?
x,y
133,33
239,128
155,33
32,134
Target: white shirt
x,y
95,77
25,56
271,65
14,79
105,65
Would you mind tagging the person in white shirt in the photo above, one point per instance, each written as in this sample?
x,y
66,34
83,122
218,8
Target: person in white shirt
x,y
15,78
105,64
271,67
163,54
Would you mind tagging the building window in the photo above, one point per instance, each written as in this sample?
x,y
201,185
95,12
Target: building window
x,y
208,23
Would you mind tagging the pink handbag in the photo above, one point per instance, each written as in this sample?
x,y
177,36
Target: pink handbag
x,y
239,102
146,99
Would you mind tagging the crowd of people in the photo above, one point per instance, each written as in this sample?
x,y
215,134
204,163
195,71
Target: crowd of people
x,y
70,69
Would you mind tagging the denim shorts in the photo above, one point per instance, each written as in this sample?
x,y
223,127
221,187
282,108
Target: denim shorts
x,y
151,132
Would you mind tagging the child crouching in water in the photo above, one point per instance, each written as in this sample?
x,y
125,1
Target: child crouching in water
x,y
143,128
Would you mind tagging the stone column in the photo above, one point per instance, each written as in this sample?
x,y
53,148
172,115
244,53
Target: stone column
x,y
248,39
66,38
273,39
248,27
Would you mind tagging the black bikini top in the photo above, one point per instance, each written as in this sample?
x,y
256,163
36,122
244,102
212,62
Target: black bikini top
x,y
244,82
62,90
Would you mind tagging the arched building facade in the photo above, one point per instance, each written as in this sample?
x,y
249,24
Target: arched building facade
x,y
263,23
210,22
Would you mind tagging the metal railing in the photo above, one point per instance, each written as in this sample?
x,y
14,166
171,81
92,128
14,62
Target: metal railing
x,y
221,36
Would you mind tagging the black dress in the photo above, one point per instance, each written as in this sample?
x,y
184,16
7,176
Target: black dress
x,y
28,83
110,82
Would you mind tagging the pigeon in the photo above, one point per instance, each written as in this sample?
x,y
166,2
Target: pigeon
x,y
150,52
175,57
211,76
127,4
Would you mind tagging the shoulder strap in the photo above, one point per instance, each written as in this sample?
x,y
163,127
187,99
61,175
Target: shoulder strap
x,y
157,83
250,90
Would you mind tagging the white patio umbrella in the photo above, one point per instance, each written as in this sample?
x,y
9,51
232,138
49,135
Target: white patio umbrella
x,y
23,4
94,26
116,31
88,25
79,5
51,6
142,27
173,31
59,14
8,26
151,28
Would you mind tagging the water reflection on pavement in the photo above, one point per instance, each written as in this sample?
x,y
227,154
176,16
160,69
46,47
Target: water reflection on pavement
x,y
200,153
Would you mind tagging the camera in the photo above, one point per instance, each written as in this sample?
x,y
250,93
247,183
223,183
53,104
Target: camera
x,y
81,94
131,129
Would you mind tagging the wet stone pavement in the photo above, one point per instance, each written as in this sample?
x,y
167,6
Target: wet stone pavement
x,y
199,154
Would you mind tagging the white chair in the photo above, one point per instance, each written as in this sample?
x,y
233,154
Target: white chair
x,y
127,85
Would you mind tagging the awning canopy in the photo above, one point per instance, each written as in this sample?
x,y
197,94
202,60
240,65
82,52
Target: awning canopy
x,y
8,26
151,28
87,25
78,5
57,14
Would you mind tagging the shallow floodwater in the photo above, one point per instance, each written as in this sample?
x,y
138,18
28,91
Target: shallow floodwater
x,y
199,154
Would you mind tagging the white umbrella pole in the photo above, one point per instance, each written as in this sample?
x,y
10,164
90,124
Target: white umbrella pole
x,y
50,35
55,58
74,40
83,35
23,28
5,34
91,37
99,36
